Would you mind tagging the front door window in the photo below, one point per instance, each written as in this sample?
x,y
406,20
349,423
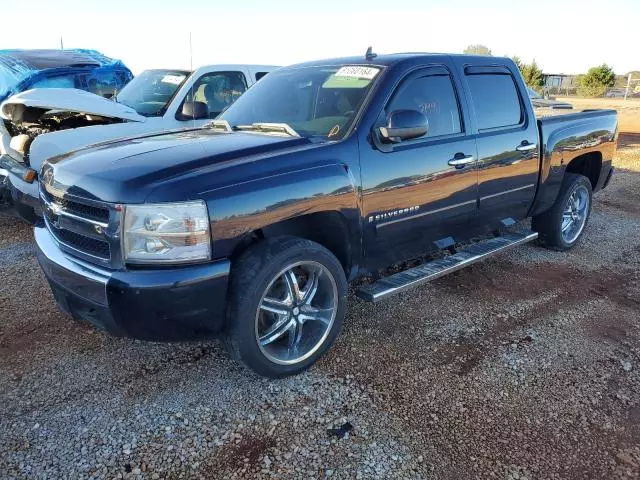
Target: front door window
x,y
217,91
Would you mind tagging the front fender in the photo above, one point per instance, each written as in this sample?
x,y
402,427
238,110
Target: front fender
x,y
240,209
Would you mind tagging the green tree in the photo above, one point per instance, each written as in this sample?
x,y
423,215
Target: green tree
x,y
532,75
517,61
477,50
596,81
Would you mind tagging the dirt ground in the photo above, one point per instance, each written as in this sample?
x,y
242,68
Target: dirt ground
x,y
628,110
525,366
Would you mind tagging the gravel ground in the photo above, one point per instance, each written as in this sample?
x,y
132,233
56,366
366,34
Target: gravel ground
x,y
525,366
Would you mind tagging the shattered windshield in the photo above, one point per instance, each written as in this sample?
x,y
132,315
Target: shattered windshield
x,y
150,92
313,101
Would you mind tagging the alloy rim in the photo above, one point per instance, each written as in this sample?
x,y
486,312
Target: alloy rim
x,y
574,217
296,312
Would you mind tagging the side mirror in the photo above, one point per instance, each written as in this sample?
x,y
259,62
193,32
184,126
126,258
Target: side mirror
x,y
404,125
194,111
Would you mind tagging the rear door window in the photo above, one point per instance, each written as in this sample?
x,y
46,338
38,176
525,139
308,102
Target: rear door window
x,y
495,99
259,75
434,96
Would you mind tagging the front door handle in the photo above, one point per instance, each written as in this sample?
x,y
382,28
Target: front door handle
x,y
461,160
526,147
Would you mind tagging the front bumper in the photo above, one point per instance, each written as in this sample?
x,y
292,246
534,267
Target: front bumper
x,y
182,303
5,192
16,193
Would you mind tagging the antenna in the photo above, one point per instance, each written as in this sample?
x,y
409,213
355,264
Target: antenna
x,y
190,53
193,94
370,55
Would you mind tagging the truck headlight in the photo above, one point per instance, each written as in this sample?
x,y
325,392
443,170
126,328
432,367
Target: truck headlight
x,y
159,233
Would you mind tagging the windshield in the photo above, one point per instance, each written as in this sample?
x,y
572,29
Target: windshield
x,y
150,92
533,93
313,101
104,83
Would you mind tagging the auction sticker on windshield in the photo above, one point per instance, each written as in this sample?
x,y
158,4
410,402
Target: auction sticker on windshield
x,y
356,71
173,79
352,76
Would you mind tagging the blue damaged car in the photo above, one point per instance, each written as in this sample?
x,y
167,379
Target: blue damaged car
x,y
22,70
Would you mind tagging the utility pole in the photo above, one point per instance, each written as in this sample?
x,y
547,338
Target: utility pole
x,y
629,80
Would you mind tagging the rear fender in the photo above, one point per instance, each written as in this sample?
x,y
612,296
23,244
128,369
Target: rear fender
x,y
590,132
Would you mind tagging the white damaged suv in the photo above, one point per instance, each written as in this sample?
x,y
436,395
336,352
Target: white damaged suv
x,y
43,123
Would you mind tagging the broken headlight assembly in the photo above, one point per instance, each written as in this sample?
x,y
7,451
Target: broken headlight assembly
x,y
166,233
17,168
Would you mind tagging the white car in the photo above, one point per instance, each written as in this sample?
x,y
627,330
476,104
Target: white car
x,y
42,123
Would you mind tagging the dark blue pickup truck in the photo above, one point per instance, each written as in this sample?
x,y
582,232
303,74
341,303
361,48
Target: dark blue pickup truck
x,y
322,173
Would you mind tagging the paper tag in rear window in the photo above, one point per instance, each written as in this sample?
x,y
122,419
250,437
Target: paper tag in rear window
x,y
173,79
356,71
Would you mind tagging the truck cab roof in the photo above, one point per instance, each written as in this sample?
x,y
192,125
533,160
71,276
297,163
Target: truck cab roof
x,y
392,59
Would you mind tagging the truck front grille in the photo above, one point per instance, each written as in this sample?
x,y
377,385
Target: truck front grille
x,y
85,228
82,243
88,211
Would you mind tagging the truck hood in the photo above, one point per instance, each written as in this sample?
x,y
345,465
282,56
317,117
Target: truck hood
x,y
128,170
65,100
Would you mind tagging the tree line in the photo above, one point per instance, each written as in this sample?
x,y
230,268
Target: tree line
x,y
592,84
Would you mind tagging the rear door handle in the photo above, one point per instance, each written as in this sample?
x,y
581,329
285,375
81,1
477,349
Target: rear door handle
x,y
526,147
461,160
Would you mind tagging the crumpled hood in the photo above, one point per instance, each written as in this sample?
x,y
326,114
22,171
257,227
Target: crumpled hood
x,y
128,170
66,100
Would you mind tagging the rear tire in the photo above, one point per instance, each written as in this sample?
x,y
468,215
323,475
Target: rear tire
x,y
562,226
288,298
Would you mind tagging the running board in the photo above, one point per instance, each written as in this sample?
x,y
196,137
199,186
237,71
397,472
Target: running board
x,y
427,272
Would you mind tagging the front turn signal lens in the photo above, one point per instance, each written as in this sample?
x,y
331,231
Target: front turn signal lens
x,y
29,175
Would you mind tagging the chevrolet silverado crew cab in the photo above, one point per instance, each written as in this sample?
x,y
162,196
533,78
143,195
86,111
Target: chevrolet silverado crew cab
x,y
251,227
40,123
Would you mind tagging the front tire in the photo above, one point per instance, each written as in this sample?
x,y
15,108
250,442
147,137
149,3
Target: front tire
x,y
288,299
562,226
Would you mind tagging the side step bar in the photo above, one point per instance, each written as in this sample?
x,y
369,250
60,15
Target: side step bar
x,y
414,277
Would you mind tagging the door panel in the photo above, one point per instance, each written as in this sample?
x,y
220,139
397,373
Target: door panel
x,y
507,177
412,195
507,150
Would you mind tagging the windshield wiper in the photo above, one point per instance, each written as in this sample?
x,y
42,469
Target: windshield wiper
x,y
219,125
282,128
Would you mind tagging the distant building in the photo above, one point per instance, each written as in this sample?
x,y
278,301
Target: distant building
x,y
560,83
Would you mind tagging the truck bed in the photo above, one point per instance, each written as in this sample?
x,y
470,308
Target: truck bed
x,y
566,136
577,129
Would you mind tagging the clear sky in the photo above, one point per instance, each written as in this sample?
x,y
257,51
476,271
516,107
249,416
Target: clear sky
x,y
564,36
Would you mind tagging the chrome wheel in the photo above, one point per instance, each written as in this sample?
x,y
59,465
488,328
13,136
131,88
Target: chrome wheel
x,y
574,217
296,312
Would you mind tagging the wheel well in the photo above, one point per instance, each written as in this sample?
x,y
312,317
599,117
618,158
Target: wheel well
x,y
589,165
329,229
